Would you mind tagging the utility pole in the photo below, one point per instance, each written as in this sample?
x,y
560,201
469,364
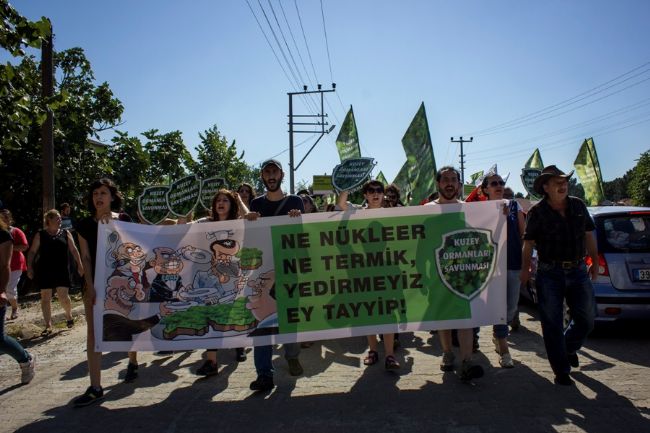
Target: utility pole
x,y
462,161
47,138
320,122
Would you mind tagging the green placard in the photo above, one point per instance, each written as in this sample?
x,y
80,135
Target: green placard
x,y
152,204
322,184
366,272
183,195
209,188
352,173
528,176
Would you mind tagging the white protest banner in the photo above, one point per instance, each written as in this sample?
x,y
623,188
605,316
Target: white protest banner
x,y
319,276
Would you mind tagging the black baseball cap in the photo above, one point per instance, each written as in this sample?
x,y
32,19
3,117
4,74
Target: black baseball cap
x,y
271,162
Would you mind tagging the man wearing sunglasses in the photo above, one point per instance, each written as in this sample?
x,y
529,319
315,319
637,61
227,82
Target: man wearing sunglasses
x,y
561,230
448,181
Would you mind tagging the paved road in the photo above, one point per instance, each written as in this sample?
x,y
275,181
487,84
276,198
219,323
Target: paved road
x,y
337,393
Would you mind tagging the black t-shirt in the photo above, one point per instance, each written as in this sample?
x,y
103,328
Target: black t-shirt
x,y
87,228
559,238
268,208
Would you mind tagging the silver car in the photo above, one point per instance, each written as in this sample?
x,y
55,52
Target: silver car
x,y
622,289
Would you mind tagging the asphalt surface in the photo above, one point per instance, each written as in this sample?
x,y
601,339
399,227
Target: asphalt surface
x,y
336,392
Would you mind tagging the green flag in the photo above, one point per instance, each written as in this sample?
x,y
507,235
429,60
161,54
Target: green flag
x,y
535,161
403,181
588,170
347,141
476,177
419,155
381,178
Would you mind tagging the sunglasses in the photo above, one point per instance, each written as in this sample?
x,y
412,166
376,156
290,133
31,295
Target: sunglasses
x,y
376,190
497,183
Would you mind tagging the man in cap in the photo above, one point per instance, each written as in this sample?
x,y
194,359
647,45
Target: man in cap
x,y
561,230
273,203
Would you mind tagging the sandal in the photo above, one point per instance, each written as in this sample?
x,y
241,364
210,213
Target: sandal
x,y
390,363
46,332
372,358
14,315
69,323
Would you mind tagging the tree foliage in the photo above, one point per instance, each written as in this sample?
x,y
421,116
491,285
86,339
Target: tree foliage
x,y
170,159
218,158
129,166
639,186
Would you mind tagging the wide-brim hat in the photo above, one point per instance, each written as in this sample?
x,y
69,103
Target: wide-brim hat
x,y
546,175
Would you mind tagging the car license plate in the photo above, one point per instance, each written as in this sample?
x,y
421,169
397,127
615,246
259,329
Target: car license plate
x,y
642,274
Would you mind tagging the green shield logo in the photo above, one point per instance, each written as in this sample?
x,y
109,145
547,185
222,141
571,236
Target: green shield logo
x,y
466,261
183,195
152,204
352,173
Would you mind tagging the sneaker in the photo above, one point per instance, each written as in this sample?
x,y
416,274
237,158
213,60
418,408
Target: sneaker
x,y
262,383
27,370
89,397
505,361
69,323
241,354
470,371
563,379
573,360
447,363
131,373
208,369
295,369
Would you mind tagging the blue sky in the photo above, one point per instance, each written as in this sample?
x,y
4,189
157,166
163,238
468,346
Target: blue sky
x,y
475,64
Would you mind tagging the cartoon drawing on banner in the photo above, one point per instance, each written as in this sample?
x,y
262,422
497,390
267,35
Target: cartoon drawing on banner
x,y
229,294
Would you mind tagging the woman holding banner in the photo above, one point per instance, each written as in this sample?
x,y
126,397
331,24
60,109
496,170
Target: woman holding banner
x,y
246,193
493,189
103,196
225,206
373,192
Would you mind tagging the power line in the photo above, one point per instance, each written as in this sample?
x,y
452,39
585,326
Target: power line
x,y
528,123
327,45
293,60
602,117
566,102
562,142
295,2
287,149
270,45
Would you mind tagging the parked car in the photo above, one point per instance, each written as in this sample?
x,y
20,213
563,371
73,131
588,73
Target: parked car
x,y
622,289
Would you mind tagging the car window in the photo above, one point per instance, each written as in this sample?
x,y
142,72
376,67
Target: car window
x,y
625,232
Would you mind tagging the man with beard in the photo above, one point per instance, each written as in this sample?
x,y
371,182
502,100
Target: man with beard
x,y
560,227
448,180
273,203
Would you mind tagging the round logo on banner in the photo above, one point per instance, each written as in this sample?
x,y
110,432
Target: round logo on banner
x,y
183,195
466,260
152,204
352,173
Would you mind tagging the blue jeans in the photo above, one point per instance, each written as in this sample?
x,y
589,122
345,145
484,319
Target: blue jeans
x,y
554,285
8,344
262,356
512,299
